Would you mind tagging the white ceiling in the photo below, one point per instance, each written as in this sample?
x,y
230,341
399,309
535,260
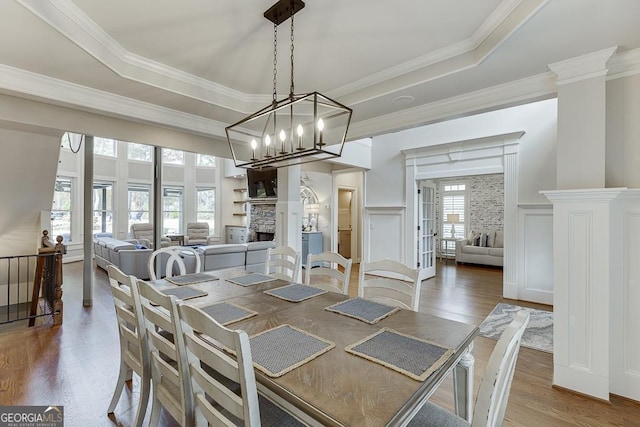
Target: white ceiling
x,y
199,65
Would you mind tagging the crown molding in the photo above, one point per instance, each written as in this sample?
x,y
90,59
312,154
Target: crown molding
x,y
515,92
70,21
583,67
510,16
624,64
61,92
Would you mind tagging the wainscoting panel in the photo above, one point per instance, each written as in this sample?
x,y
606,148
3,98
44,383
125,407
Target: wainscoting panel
x,y
580,242
625,325
535,248
386,233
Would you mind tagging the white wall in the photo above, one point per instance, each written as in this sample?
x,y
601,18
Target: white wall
x,y
28,166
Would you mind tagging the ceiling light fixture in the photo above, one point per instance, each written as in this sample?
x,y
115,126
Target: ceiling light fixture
x,y
300,128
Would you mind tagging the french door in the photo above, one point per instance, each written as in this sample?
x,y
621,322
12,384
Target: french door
x,y
427,227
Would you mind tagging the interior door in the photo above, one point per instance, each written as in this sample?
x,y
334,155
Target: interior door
x,y
427,227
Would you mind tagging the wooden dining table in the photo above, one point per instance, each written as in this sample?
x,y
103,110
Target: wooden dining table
x,y
338,388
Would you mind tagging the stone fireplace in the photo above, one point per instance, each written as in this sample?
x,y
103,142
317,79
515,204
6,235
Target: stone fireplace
x,y
262,219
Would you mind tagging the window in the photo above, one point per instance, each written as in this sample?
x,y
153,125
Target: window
x,y
103,207
104,147
452,210
139,202
139,152
61,209
206,161
171,210
172,157
206,207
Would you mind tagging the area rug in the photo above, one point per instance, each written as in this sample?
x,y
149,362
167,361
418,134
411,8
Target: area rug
x,y
539,332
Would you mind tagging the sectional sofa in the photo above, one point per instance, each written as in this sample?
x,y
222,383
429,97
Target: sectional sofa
x,y
132,257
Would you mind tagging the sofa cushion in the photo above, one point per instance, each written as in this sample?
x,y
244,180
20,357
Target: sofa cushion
x,y
223,248
475,250
499,241
496,252
256,246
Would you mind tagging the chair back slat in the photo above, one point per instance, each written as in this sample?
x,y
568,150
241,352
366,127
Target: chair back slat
x,y
391,282
134,349
218,382
169,368
283,263
493,394
328,277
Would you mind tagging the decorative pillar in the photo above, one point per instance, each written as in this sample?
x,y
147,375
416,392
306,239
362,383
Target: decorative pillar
x,y
510,286
87,268
288,208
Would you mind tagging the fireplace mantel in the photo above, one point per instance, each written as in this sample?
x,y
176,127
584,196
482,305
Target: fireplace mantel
x,y
263,200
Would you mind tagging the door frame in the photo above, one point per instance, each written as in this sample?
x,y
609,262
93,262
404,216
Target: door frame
x,y
355,223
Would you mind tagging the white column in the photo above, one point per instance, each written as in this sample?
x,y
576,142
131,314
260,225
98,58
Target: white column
x,y
510,286
582,120
288,208
584,250
87,238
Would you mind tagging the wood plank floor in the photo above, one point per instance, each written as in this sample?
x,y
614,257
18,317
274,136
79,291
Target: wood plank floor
x,y
76,365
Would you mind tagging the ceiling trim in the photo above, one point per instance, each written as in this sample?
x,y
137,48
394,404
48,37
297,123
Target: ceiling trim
x,y
73,23
61,92
66,18
510,16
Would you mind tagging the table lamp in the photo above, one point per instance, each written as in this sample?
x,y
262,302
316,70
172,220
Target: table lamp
x,y
313,209
453,219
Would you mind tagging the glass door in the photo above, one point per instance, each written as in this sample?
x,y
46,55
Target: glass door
x,y
427,227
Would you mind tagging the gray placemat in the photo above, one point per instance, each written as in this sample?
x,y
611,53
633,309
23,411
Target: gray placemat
x,y
226,313
362,309
280,350
251,279
190,279
184,293
295,292
411,356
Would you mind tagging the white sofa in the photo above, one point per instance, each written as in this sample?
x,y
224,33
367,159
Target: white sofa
x,y
123,254
482,247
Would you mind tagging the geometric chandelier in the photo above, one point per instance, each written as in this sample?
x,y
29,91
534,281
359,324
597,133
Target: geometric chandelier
x,y
300,128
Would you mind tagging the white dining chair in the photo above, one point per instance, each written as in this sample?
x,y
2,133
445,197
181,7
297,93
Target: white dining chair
x,y
495,386
224,387
283,263
169,370
134,351
391,282
326,275
173,255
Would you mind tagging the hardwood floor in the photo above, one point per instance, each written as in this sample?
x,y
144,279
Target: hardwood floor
x,y
76,364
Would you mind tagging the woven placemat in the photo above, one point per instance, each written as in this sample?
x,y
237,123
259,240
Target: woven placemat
x,y
184,293
411,356
226,313
190,279
251,279
362,309
295,292
284,348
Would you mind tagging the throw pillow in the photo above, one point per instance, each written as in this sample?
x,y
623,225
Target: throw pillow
x,y
483,240
499,241
491,239
476,239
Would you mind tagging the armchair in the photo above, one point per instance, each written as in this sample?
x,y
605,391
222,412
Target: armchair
x,y
143,231
197,234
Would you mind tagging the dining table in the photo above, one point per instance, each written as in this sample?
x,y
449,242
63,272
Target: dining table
x,y
338,387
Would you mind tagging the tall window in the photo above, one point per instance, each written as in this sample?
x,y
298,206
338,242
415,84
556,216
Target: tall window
x,y
139,152
172,157
61,209
104,147
206,161
103,207
453,207
206,206
171,210
139,202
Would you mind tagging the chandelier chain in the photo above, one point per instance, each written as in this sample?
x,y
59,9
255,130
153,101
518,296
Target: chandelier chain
x,y
292,15
275,61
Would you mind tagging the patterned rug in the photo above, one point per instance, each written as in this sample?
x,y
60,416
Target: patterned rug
x,y
539,332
